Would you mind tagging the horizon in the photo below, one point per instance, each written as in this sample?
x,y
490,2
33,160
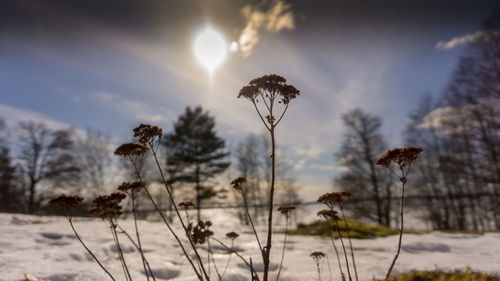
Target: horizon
x,y
110,67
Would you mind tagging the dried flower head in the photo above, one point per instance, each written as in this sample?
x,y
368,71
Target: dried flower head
x,y
131,187
232,235
200,233
147,132
250,92
130,149
400,156
285,210
107,206
328,214
317,256
186,205
66,201
273,84
238,183
332,198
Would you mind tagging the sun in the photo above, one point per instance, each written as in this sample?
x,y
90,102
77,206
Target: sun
x,y
210,48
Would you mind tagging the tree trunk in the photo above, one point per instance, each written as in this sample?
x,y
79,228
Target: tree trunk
x,y
31,201
198,195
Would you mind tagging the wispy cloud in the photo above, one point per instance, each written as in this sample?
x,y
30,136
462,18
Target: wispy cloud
x,y
136,110
14,115
275,18
465,39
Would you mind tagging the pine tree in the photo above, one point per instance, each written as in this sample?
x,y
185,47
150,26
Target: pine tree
x,y
195,153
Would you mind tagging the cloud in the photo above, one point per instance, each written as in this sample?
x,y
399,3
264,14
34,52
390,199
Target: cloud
x,y
136,110
465,39
276,18
14,115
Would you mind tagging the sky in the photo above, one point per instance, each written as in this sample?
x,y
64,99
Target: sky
x,y
109,65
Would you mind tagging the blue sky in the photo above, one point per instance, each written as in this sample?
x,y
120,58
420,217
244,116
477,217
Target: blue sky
x,y
106,66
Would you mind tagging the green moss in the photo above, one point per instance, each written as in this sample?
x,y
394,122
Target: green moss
x,y
357,230
438,275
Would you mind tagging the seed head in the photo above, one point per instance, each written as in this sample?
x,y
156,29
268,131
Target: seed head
x,y
66,201
107,206
232,235
132,187
285,210
200,233
130,149
317,256
332,198
400,156
186,205
328,214
238,183
271,83
147,132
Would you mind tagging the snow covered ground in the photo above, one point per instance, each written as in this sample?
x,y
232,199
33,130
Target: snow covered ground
x,y
46,248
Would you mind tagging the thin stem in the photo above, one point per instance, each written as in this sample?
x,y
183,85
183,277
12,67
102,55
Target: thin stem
x,y
284,247
178,213
208,258
120,252
260,115
213,259
245,202
271,198
236,253
401,205
264,99
228,260
329,268
338,258
319,271
167,224
70,220
282,114
345,253
134,211
123,231
350,242
180,267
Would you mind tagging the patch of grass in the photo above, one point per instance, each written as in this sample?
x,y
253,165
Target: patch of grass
x,y
438,275
357,229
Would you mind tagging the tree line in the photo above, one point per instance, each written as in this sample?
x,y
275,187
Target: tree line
x,y
37,161
458,174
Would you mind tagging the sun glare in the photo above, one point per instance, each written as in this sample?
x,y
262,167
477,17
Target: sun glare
x,y
210,48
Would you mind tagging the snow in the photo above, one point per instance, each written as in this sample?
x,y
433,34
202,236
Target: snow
x,y
46,248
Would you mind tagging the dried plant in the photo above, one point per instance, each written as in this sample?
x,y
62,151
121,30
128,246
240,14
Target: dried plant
x,y
331,200
132,189
149,137
67,203
394,160
272,90
107,207
284,210
329,215
317,257
275,95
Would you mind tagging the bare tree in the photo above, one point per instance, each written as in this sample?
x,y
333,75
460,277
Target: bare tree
x,y
46,156
361,146
10,187
95,162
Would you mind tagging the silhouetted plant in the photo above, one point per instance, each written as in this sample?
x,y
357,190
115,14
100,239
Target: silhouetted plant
x,y
67,203
317,257
399,158
272,90
284,210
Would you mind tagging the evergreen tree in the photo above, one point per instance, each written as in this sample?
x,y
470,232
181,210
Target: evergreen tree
x,y
195,153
